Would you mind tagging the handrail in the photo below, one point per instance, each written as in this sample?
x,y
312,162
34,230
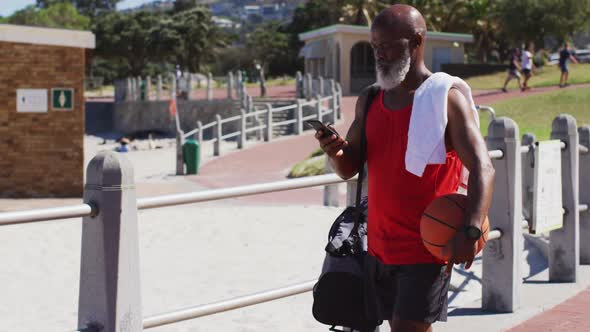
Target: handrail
x,y
283,123
226,305
230,119
487,109
38,215
247,190
284,108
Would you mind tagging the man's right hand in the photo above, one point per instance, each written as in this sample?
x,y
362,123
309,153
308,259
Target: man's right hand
x,y
331,145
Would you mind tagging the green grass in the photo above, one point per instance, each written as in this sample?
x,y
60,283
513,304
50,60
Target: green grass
x,y
536,113
315,164
548,75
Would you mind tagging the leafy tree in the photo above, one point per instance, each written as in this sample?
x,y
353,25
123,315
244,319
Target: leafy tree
x,y
182,5
268,46
59,15
89,8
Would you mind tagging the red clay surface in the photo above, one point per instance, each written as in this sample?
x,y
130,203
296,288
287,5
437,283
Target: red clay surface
x,y
570,315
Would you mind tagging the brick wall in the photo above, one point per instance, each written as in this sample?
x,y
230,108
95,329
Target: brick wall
x,y
41,154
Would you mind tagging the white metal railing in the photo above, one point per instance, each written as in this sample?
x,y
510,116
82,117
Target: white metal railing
x,y
114,204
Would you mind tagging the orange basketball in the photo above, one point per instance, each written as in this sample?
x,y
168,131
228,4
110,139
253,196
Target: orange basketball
x,y
442,219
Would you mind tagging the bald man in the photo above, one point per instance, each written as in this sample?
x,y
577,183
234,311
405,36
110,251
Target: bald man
x,y
412,285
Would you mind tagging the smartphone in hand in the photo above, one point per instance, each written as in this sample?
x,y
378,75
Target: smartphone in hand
x,y
318,125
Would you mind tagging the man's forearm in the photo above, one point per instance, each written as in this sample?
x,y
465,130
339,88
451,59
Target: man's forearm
x,y
480,188
346,165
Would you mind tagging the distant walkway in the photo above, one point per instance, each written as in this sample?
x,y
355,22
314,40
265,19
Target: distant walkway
x,y
272,161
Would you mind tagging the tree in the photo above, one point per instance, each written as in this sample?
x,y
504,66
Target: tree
x,y
59,15
182,5
89,8
268,46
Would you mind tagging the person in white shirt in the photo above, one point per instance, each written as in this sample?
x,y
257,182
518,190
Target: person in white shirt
x,y
527,65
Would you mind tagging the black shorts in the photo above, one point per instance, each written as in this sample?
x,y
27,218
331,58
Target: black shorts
x,y
526,72
416,292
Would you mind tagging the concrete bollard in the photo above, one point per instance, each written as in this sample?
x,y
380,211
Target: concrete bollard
x,y
564,243
501,281
239,85
318,107
230,85
200,138
172,86
242,137
584,134
138,88
209,86
268,132
110,292
528,176
133,92
218,135
148,87
299,118
159,88
309,86
179,152
298,85
339,92
189,86
321,86
331,194
129,89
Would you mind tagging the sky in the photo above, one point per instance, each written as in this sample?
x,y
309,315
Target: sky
x,y
7,7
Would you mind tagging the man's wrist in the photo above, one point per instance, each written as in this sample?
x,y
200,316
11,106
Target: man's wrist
x,y
472,232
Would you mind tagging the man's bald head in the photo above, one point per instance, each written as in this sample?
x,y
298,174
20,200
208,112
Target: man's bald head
x,y
402,20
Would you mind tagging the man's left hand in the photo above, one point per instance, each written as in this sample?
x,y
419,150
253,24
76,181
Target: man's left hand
x,y
460,250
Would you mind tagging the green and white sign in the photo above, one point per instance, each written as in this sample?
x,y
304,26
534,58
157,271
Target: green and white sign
x,y
62,99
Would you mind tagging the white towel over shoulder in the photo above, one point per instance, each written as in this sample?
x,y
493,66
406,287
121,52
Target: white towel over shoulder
x,y
426,135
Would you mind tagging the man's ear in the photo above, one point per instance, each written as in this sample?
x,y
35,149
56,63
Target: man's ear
x,y
417,41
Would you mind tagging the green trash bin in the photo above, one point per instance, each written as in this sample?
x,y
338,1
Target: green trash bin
x,y
191,156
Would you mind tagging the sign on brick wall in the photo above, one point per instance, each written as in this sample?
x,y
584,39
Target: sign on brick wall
x,y
31,100
62,99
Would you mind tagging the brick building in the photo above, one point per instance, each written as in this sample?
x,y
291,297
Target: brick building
x,y
42,111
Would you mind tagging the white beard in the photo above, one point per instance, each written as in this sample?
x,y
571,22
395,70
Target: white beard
x,y
389,78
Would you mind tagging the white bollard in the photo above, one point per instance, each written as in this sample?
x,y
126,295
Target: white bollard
x,y
242,137
299,118
218,134
159,88
331,193
268,136
564,243
110,292
179,152
318,108
584,173
209,87
230,85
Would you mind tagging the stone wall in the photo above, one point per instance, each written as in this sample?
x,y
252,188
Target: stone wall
x,y
41,153
131,117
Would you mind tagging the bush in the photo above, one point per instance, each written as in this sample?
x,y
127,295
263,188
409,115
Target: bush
x,y
309,167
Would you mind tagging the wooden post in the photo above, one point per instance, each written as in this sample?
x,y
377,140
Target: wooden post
x,y
584,173
110,292
218,134
564,243
268,136
528,176
242,137
501,281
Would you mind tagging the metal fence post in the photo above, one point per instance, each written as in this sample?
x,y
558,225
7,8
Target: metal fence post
x,y
200,138
299,118
501,281
564,249
179,152
268,136
242,138
109,294
331,194
218,134
528,176
230,85
159,88
584,133
319,107
209,86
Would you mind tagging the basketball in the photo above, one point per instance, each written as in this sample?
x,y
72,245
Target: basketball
x,y
442,219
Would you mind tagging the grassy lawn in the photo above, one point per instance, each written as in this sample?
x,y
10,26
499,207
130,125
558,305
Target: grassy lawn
x,y
545,76
535,113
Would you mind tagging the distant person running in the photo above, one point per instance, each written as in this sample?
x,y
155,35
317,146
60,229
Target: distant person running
x,y
564,56
513,69
526,62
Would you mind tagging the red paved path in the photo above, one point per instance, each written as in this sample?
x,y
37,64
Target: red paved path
x,y
570,315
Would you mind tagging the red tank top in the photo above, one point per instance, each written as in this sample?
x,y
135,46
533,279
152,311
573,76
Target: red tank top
x,y
397,198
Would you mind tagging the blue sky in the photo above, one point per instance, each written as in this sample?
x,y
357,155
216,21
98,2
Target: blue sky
x,y
8,7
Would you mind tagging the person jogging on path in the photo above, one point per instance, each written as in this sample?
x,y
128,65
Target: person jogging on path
x,y
564,56
527,66
414,294
513,69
